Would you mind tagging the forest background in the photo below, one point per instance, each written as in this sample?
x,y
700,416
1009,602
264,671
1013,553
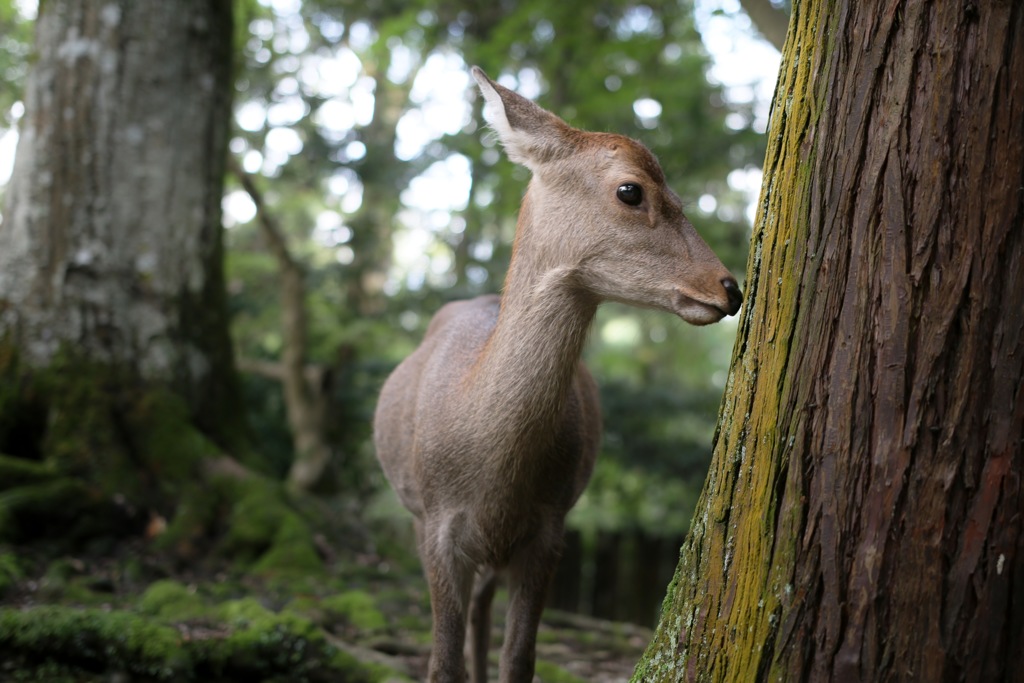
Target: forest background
x,y
363,193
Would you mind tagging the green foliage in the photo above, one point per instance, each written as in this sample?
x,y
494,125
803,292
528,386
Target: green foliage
x,y
15,48
590,64
620,497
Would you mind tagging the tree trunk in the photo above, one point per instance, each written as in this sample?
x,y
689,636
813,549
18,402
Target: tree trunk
x,y
770,21
862,519
111,244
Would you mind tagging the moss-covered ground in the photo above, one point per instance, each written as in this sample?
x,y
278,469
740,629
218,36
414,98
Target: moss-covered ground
x,y
130,617
134,548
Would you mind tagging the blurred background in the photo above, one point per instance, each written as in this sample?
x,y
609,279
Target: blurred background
x,y
362,171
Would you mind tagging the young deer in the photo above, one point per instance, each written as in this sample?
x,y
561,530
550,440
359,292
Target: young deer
x,y
489,430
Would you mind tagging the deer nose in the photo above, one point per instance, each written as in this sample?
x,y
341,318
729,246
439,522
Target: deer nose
x,y
732,290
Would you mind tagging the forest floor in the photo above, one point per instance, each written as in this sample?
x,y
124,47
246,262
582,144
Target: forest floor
x,y
129,615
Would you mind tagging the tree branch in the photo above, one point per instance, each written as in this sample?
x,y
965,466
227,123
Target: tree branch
x,y
305,401
770,21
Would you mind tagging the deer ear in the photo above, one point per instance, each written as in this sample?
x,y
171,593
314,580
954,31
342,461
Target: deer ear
x,y
530,135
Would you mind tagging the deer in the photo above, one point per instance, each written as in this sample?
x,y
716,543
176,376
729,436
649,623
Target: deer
x,y
489,430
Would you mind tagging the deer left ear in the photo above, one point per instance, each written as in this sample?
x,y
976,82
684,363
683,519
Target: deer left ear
x,y
530,135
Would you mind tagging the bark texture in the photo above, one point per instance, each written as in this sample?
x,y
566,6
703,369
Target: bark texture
x,y
111,243
862,520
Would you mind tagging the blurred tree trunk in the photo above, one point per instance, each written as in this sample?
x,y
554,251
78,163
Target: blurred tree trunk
x,y
862,519
116,365
110,248
770,21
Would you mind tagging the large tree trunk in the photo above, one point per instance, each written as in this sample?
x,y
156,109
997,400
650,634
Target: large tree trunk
x,y
111,244
115,362
862,520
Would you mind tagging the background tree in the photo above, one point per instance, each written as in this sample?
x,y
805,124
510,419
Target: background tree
x,y
118,389
111,243
863,515
771,17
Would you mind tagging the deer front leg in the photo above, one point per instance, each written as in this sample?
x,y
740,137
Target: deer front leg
x,y
450,578
528,576
480,622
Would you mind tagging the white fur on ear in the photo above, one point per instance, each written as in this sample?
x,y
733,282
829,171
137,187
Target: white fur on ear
x,y
494,109
515,142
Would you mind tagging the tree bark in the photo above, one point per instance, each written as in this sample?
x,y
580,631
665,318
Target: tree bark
x,y
770,21
862,519
111,244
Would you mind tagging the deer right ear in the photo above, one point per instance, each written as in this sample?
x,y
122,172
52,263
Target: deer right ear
x,y
530,135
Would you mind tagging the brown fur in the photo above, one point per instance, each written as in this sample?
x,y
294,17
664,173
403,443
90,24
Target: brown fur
x,y
489,430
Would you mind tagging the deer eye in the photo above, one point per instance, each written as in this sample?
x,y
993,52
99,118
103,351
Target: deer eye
x,y
630,194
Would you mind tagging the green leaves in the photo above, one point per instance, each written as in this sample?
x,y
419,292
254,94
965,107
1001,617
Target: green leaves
x,y
629,67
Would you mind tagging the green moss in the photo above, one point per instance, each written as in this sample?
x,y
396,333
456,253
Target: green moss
x,y
255,516
118,641
169,445
292,549
51,672
283,645
550,673
15,472
64,582
243,611
266,533
82,437
32,509
251,643
357,608
11,571
171,600
89,441
197,511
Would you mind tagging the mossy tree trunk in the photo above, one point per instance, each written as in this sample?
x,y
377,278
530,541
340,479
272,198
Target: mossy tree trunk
x,y
117,385
862,519
111,245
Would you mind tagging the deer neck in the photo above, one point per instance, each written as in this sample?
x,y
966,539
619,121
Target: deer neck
x,y
530,360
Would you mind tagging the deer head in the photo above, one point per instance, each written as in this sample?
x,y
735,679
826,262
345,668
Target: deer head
x,y
599,214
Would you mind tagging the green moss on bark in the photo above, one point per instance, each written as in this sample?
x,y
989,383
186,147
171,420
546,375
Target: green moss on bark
x,y
88,451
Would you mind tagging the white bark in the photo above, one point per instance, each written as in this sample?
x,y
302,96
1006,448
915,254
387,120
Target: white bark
x,y
110,242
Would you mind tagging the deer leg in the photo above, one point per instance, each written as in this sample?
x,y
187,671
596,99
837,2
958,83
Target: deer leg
x,y
480,622
529,575
450,577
